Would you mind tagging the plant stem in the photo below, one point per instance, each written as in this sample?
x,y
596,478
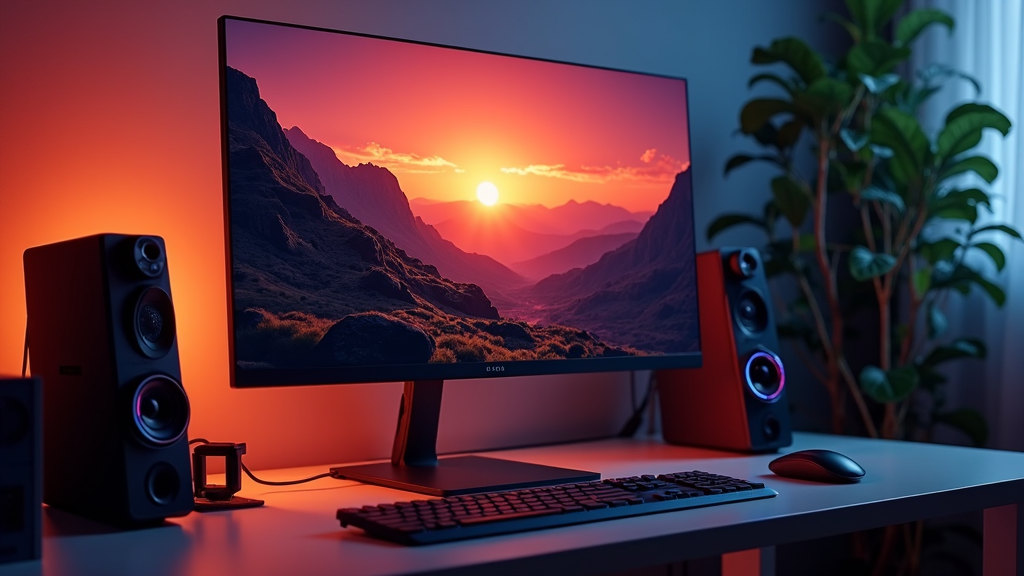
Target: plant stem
x,y
858,398
828,280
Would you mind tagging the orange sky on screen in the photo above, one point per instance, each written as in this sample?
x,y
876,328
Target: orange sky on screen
x,y
445,120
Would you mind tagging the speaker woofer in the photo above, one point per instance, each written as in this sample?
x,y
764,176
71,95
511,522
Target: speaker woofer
x,y
153,322
764,375
162,484
160,411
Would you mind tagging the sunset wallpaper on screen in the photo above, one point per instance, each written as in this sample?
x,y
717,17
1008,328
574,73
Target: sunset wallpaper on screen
x,y
401,203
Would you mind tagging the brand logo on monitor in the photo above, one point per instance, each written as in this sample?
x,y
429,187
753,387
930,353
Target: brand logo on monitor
x,y
495,369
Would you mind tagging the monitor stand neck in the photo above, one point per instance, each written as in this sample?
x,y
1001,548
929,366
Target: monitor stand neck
x,y
415,467
418,419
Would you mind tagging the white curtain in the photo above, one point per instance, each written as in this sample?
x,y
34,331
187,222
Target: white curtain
x,y
987,44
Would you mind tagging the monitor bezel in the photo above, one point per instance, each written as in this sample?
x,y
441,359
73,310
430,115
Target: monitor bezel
x,y
273,377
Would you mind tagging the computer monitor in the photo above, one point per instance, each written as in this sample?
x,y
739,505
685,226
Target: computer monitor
x,y
404,211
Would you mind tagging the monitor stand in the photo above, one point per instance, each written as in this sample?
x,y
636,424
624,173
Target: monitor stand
x,y
415,466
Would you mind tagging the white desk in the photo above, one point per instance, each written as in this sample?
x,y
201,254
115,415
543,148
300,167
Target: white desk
x,y
296,532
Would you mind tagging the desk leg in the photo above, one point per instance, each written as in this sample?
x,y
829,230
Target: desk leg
x,y
1003,547
749,562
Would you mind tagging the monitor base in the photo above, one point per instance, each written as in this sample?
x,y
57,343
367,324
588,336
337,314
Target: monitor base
x,y
462,475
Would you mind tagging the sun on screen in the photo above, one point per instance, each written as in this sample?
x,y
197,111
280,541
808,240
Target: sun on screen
x,y
487,193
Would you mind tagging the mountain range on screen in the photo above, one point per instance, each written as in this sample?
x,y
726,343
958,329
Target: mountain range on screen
x,y
332,264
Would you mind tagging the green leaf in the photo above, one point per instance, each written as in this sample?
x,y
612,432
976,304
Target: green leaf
x,y
772,78
942,249
726,221
963,277
880,84
881,151
968,212
931,378
796,54
789,133
758,111
980,165
870,15
850,27
854,140
936,71
741,159
968,421
865,264
826,96
791,199
937,322
959,204
917,20
997,228
891,386
959,348
994,252
807,243
902,133
964,126
922,281
874,58
876,194
852,175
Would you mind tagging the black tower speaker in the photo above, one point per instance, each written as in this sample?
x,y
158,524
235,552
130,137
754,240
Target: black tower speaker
x,y
21,467
737,399
102,337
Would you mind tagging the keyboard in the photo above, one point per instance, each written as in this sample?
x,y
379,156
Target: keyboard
x,y
434,520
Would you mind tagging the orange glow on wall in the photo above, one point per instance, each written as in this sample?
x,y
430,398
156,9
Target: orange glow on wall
x,y
111,123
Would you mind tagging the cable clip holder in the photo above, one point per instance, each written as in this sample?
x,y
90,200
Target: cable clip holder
x,y
210,497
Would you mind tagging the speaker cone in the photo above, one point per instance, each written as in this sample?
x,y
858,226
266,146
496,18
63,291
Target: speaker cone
x,y
752,312
764,375
153,322
160,411
162,484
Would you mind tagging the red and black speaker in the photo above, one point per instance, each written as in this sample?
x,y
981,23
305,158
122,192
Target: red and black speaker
x,y
737,399
21,485
102,337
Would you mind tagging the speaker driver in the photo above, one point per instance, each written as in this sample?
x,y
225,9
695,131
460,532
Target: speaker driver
x,y
153,321
160,411
162,484
752,312
743,264
149,256
765,375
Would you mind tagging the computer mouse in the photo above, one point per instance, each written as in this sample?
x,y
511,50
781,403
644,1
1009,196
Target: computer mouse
x,y
818,466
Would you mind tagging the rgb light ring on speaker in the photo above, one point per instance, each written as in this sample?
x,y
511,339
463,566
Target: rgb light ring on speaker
x,y
773,371
160,411
153,322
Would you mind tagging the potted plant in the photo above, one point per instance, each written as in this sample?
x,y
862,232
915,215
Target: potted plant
x,y
917,214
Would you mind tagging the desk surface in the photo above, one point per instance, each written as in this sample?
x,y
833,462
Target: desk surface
x,y
296,532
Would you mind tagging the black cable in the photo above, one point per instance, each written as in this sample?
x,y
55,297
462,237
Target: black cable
x,y
265,482
637,417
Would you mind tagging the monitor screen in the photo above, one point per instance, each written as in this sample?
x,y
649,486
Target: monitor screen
x,y
406,211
